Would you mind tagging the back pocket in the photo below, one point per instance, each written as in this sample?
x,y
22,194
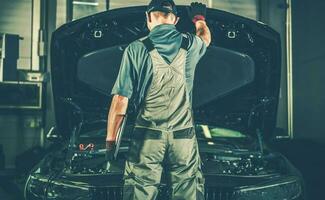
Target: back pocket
x,y
144,133
184,134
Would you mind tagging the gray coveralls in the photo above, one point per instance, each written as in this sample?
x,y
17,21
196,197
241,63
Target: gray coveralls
x,y
164,135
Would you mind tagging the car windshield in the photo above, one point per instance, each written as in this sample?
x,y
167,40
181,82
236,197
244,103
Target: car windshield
x,y
210,132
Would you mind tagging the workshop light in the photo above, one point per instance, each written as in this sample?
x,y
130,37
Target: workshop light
x,y
85,3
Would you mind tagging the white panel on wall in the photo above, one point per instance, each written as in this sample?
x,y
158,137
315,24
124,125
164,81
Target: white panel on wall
x,y
247,8
81,8
61,12
16,16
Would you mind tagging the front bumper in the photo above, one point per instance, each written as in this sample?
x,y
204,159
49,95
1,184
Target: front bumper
x,y
282,188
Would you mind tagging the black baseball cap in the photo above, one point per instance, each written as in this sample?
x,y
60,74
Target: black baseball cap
x,y
167,6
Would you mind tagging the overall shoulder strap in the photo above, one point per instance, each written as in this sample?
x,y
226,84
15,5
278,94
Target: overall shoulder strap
x,y
185,43
148,44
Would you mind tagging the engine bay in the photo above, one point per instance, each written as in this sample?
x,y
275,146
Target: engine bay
x,y
221,163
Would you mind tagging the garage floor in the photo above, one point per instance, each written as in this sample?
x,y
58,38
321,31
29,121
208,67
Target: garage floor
x,y
11,189
307,156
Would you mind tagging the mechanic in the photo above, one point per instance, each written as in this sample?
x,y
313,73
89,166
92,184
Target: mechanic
x,y
157,73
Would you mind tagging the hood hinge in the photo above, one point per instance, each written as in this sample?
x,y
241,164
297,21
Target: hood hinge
x,y
79,115
256,120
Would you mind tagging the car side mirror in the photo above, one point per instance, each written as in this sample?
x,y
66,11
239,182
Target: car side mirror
x,y
53,135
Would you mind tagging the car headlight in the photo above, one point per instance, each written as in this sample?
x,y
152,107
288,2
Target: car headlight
x,y
291,189
41,188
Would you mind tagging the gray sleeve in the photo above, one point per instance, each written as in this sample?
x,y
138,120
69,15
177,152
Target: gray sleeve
x,y
197,46
125,81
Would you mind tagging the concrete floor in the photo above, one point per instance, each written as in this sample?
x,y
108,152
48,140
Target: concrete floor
x,y
11,189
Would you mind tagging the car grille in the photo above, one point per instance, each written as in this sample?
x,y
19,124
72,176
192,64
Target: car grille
x,y
212,193
115,193
110,193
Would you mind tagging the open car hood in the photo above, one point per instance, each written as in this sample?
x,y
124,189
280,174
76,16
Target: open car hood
x,y
236,83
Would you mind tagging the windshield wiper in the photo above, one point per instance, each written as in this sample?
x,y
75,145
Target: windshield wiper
x,y
215,141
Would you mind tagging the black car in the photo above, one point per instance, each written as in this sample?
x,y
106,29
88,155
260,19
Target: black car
x,y
235,100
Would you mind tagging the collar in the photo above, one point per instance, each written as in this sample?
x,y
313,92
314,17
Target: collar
x,y
161,28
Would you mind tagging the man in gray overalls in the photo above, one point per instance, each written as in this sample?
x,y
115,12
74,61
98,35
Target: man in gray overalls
x,y
157,72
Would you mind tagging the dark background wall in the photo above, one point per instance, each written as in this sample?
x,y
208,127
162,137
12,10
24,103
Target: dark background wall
x,y
309,69
306,150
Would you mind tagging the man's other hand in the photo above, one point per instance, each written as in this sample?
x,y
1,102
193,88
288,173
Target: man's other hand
x,y
197,11
110,150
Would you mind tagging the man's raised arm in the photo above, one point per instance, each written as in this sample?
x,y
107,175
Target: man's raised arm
x,y
202,30
197,13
